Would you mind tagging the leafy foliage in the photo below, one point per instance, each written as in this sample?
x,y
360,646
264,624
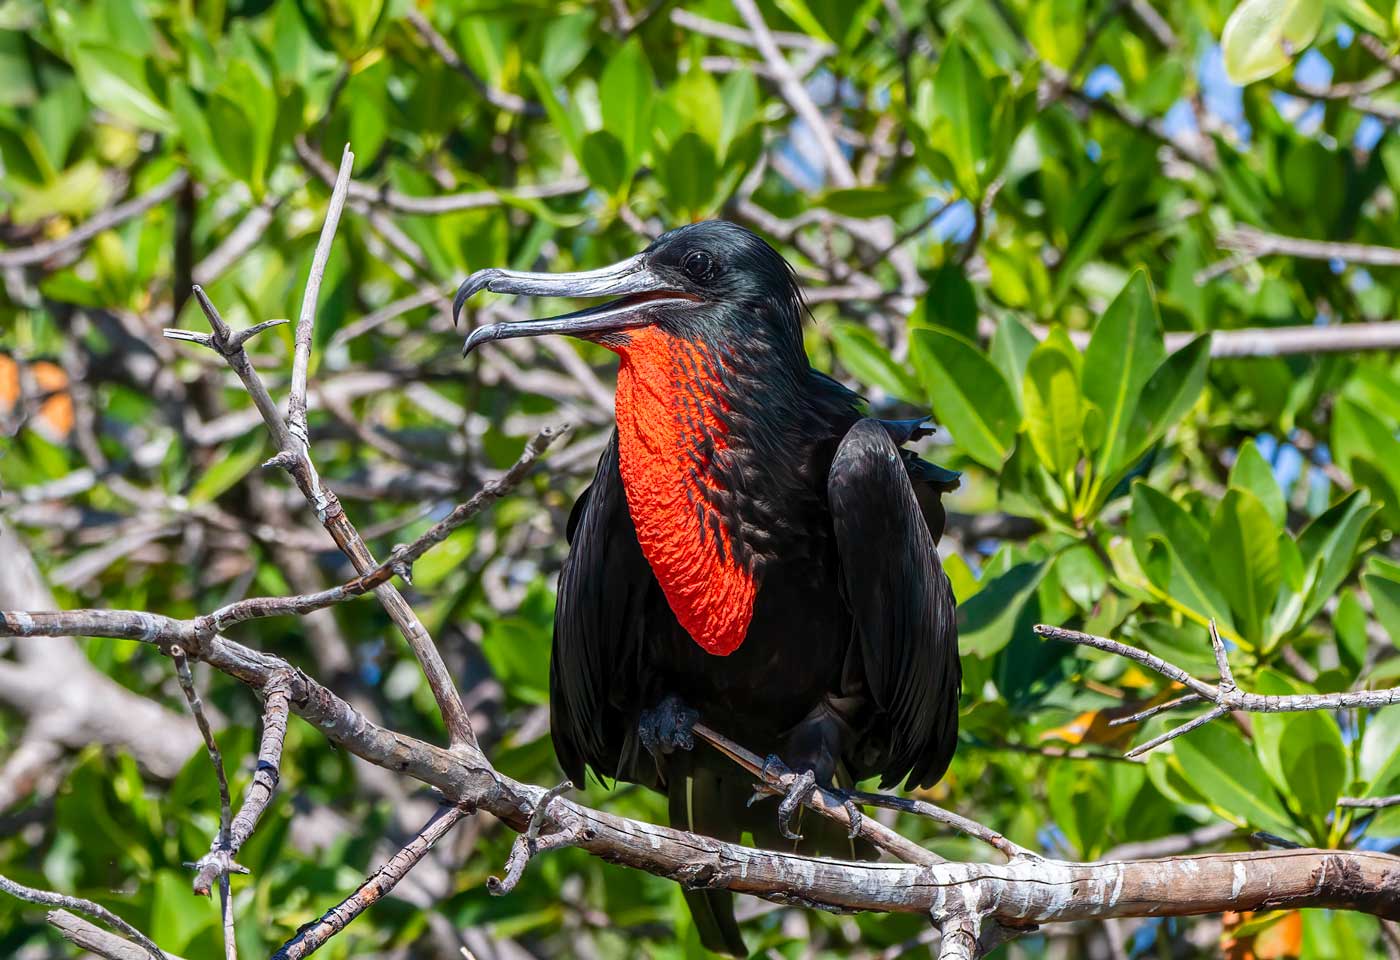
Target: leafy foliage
x,y
1031,253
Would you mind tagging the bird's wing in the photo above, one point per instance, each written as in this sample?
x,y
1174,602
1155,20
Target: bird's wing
x,y
900,600
598,620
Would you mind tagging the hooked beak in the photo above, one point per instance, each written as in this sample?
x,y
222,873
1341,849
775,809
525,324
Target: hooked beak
x,y
639,288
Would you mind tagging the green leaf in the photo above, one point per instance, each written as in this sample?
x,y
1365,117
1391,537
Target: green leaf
x,y
1263,36
1125,349
115,80
960,124
1219,764
1359,12
1011,349
1328,546
625,92
1382,582
863,202
1252,472
1349,622
864,356
689,173
560,119
987,619
696,99
1369,451
1185,573
1168,394
1244,556
1303,753
1054,410
739,94
604,160
564,43
1378,763
227,471
179,914
951,303
968,393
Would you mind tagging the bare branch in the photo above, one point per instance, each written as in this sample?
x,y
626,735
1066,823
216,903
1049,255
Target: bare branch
x,y
724,31
106,220
1225,696
295,458
529,843
500,99
822,801
1016,894
95,940
1369,803
50,899
1251,244
182,669
218,862
406,203
313,936
306,321
922,808
795,93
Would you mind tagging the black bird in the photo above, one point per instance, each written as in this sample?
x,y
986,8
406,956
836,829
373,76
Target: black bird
x,y
753,552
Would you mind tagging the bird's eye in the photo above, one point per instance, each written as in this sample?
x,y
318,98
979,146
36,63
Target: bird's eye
x,y
698,265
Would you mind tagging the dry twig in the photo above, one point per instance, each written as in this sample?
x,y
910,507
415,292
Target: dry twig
x,y
1225,695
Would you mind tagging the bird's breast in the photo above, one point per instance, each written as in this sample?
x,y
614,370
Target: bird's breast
x,y
673,444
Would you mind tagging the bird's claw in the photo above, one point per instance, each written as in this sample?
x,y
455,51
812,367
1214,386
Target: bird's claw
x,y
798,792
667,727
853,811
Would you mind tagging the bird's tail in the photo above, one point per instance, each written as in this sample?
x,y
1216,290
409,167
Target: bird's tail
x,y
703,802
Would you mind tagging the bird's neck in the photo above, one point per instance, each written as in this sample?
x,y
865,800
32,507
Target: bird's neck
x,y
674,446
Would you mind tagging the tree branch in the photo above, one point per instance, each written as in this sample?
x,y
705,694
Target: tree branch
x,y
1016,894
795,93
94,939
50,899
406,203
500,99
218,862
295,458
313,936
106,220
1225,695
182,670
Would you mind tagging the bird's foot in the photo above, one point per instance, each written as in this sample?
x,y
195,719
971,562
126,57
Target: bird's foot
x,y
800,789
666,727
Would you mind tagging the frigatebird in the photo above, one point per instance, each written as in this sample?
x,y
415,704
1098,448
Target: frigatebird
x,y
754,552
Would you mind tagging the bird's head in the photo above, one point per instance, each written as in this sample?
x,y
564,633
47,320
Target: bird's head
x,y
712,282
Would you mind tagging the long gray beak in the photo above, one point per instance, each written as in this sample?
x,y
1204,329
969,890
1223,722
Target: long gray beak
x,y
631,279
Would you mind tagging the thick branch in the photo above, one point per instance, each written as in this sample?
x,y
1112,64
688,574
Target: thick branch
x,y
1016,894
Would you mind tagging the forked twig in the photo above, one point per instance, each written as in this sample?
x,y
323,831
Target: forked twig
x,y
1225,695
530,842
